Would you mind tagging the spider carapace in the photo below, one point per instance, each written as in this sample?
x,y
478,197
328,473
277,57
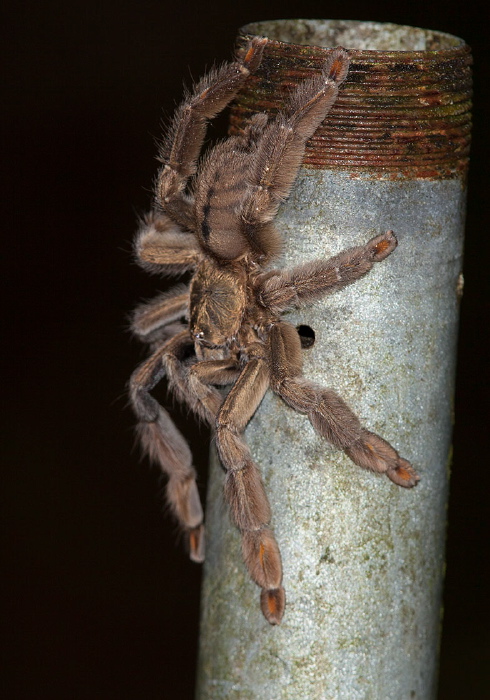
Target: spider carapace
x,y
214,217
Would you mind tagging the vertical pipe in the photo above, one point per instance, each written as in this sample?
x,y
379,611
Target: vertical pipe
x,y
363,559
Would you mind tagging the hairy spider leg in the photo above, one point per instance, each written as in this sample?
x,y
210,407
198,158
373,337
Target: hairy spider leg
x,y
162,247
216,372
158,435
180,151
244,490
243,179
158,320
203,400
166,446
282,142
328,413
281,290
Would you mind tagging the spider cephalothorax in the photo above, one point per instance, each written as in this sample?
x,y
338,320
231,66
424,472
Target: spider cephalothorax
x,y
225,329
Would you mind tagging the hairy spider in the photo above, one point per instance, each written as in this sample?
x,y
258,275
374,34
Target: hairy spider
x,y
225,328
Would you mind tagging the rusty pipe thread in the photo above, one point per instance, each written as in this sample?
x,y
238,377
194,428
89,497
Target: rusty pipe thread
x,y
398,114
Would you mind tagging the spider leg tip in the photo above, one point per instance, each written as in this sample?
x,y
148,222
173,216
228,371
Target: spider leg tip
x,y
197,544
272,603
404,474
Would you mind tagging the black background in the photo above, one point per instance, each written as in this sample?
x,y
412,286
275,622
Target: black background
x,y
99,601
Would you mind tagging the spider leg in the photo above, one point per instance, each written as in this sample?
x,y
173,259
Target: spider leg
x,y
150,319
161,246
203,400
282,290
248,137
282,142
180,151
166,446
244,490
329,414
217,372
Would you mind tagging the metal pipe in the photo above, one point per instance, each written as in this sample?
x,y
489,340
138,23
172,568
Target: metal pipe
x,y
363,559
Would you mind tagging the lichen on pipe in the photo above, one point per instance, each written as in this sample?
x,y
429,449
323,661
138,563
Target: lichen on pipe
x,y
363,559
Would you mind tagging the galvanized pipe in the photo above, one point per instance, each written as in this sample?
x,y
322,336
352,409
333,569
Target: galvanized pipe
x,y
363,559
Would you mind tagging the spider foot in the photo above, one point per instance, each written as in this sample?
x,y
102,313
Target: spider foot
x,y
403,474
196,544
272,603
263,560
372,452
337,65
381,246
253,57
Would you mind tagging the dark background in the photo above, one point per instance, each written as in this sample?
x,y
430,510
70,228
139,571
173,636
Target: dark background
x,y
99,601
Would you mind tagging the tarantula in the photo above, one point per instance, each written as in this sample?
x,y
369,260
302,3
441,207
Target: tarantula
x,y
215,218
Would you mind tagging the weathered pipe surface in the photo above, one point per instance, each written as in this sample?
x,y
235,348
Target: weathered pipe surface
x,y
363,559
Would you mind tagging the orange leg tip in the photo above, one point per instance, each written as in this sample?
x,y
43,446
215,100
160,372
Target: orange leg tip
x,y
272,603
249,54
404,475
382,246
256,47
196,544
336,69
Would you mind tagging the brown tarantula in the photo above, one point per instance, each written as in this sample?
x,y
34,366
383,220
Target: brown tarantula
x,y
225,328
